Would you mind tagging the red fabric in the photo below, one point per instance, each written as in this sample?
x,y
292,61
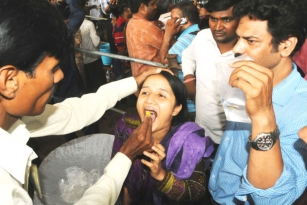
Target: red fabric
x,y
118,33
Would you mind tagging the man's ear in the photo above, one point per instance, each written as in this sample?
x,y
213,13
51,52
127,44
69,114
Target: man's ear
x,y
286,47
8,81
177,110
143,7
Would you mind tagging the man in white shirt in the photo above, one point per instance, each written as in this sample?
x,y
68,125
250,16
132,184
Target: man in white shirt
x,y
198,61
94,73
94,7
27,81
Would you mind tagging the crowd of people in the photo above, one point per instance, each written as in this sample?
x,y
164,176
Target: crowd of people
x,y
176,144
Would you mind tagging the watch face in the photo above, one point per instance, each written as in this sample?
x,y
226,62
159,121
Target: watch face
x,y
265,142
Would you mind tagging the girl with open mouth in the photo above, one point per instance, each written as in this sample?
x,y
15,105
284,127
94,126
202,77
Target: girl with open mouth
x,y
173,172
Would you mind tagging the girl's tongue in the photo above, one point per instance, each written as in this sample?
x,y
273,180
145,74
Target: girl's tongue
x,y
152,114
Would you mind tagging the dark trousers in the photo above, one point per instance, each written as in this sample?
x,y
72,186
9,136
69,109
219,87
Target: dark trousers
x,y
95,75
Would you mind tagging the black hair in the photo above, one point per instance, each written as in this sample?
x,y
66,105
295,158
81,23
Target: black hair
x,y
180,94
286,18
162,7
119,8
135,5
220,5
30,30
188,10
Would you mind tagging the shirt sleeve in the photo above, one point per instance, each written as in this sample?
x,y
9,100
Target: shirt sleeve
x,y
179,47
108,187
153,36
290,184
75,113
93,35
188,59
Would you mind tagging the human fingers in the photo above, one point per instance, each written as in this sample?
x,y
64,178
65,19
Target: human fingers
x,y
160,146
251,75
160,152
150,71
147,128
147,163
113,1
153,156
250,64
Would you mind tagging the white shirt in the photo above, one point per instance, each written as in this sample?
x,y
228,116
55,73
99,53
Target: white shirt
x,y
200,58
66,117
90,41
95,11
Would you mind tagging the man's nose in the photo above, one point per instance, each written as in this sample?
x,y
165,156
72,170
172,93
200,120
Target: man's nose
x,y
218,25
239,48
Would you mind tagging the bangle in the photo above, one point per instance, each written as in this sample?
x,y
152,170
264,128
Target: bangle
x,y
188,80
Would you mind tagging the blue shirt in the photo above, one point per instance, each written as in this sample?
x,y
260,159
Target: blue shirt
x,y
228,181
184,40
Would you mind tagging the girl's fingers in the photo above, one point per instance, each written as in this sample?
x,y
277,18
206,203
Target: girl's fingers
x,y
152,156
147,163
159,151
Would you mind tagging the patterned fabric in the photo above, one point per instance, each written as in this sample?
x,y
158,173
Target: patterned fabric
x,y
185,147
228,180
144,41
118,34
183,41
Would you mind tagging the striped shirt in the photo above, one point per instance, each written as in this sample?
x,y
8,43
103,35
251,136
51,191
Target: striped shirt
x,y
184,40
228,181
118,34
144,41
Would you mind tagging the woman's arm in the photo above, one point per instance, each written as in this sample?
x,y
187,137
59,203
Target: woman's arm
x,y
192,189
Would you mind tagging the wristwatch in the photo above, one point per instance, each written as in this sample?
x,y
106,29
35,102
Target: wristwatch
x,y
264,141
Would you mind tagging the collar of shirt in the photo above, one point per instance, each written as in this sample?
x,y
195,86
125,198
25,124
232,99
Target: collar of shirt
x,y
282,93
190,29
15,154
208,34
137,16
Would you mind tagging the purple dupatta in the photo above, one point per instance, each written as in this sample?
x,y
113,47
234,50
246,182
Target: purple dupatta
x,y
185,145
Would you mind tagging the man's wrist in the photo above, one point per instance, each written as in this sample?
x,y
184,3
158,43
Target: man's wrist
x,y
126,152
264,122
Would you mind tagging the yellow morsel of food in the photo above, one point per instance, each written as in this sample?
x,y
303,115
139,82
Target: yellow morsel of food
x,y
147,113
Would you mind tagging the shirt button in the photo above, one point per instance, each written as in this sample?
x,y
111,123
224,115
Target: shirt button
x,y
227,138
244,199
213,176
211,190
220,158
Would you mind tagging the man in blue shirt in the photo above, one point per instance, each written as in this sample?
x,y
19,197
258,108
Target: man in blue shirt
x,y
188,29
264,162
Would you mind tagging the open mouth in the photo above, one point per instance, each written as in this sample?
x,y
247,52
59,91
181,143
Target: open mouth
x,y
152,113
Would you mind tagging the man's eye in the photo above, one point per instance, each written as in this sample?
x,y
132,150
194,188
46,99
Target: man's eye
x,y
227,20
160,95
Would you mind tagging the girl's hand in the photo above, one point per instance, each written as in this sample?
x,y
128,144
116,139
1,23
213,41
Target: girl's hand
x,y
157,172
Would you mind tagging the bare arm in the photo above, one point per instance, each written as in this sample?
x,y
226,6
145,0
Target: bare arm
x,y
172,27
264,167
190,84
